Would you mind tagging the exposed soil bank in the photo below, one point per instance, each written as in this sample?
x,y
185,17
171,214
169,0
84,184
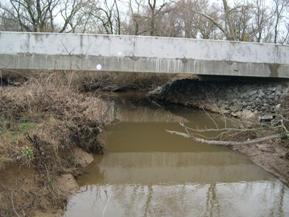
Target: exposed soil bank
x,y
253,101
46,127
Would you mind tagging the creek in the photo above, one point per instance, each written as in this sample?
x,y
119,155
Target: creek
x,y
146,171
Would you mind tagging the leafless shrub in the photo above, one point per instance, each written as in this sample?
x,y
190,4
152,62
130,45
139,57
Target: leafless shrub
x,y
62,115
117,81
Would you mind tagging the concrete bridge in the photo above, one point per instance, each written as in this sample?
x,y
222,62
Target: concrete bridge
x,y
84,52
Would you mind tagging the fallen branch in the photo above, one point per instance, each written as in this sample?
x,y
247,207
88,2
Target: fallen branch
x,y
178,133
222,129
225,143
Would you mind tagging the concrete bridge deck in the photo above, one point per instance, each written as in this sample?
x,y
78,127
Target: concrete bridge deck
x,y
85,52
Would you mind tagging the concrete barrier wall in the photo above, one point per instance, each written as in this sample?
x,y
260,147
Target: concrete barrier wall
x,y
84,52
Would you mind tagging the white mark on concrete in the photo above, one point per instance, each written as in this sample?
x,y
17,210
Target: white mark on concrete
x,y
98,67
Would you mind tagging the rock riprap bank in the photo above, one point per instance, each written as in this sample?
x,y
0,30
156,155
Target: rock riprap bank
x,y
260,100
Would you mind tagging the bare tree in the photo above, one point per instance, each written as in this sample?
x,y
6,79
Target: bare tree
x,y
69,14
236,22
206,28
135,23
105,17
279,9
186,13
154,11
260,24
191,21
149,17
7,22
39,15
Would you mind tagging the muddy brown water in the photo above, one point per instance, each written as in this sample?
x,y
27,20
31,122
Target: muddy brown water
x,y
148,172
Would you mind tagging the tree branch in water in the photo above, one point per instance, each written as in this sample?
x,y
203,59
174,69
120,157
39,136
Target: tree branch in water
x,y
225,143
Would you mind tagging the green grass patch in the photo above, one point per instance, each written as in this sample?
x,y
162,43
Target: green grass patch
x,y
13,129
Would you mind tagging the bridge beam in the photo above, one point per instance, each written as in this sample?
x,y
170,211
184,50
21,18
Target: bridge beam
x,y
110,53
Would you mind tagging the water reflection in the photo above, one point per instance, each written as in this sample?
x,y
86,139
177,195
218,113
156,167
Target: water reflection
x,y
166,167
147,172
244,199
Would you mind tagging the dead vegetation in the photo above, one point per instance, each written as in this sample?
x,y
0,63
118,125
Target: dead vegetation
x,y
42,121
118,82
93,81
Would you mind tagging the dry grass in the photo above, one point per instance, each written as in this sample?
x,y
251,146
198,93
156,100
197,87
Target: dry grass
x,y
62,114
49,94
114,81
41,122
91,81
